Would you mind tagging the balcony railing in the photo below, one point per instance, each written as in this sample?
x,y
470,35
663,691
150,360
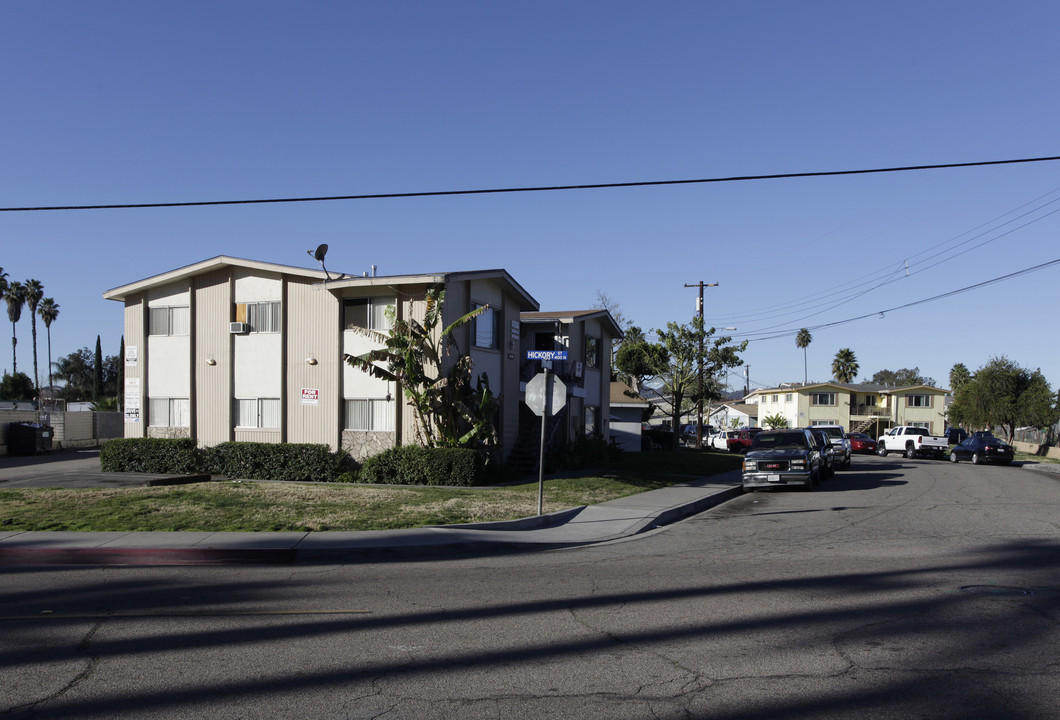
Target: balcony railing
x,y
869,411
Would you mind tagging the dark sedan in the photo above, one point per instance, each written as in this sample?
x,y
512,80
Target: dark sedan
x,y
861,443
983,450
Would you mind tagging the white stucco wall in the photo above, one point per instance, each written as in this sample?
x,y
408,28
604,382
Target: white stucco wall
x,y
357,383
169,354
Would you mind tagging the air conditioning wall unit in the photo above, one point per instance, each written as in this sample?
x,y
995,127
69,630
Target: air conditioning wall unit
x,y
238,328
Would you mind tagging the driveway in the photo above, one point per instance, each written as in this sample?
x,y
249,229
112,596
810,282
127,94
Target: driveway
x,y
75,469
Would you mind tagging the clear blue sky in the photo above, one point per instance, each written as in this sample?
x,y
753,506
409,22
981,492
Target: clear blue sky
x,y
139,102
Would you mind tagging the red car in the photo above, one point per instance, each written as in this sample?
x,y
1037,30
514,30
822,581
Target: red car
x,y
861,443
740,440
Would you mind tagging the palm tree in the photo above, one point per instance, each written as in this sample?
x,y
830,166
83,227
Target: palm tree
x,y
803,340
15,296
48,311
959,375
845,366
34,293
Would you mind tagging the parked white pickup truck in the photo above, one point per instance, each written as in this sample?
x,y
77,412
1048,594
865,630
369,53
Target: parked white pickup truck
x,y
912,441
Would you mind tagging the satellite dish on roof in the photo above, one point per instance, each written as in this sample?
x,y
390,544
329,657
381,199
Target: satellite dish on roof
x,y
318,255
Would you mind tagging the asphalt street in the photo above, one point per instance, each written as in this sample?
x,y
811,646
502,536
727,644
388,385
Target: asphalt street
x,y
905,588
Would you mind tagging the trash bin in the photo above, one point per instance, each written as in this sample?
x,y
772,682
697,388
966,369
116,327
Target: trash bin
x,y
29,438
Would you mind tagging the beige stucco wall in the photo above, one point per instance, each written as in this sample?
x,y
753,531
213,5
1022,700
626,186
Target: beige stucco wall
x,y
313,334
135,390
212,369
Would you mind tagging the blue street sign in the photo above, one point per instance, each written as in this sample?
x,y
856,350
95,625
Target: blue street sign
x,y
546,354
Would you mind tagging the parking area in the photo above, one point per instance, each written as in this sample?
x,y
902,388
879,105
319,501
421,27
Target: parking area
x,y
75,469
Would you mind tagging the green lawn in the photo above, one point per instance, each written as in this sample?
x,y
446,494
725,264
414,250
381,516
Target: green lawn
x,y
257,506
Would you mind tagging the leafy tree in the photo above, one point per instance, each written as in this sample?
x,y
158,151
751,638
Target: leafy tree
x,y
451,412
16,388
604,302
637,359
901,378
1006,395
803,340
15,297
78,373
776,420
959,375
49,311
34,293
845,366
672,364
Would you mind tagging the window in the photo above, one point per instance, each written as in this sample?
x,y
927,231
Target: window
x,y
369,414
258,413
592,352
169,412
822,399
787,397
870,400
775,398
591,414
918,401
823,422
169,321
486,328
262,317
367,313
920,425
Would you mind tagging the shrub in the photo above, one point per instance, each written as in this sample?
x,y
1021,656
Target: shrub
x,y
582,453
178,456
292,462
415,465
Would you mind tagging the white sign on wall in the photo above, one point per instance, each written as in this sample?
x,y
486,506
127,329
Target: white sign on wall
x,y
132,399
131,356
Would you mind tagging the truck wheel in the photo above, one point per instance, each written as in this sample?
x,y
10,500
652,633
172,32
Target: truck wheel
x,y
881,450
910,451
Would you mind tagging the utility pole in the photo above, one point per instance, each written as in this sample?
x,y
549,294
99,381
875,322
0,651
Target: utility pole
x,y
699,403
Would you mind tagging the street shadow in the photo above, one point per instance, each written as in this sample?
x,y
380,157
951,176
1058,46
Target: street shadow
x,y
886,608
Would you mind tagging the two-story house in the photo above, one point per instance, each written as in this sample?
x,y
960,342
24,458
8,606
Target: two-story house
x,y
233,349
863,407
229,349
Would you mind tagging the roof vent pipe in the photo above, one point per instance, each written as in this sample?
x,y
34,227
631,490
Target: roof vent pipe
x,y
373,270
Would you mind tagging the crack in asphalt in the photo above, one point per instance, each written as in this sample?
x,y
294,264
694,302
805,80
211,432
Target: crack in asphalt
x,y
90,666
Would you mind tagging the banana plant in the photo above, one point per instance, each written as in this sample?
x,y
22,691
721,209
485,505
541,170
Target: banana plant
x,y
451,412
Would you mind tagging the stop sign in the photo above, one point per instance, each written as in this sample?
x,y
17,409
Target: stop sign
x,y
546,385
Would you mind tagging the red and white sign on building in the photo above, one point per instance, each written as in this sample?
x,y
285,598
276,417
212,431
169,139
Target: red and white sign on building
x,y
310,396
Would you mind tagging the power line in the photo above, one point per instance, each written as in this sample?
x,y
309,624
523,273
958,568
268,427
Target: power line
x,y
543,188
750,337
855,288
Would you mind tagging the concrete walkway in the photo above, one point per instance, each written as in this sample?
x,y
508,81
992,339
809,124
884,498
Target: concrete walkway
x,y
580,526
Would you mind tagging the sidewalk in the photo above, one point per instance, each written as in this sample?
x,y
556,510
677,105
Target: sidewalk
x,y
580,526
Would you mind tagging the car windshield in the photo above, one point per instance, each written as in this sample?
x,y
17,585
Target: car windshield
x,y
779,441
833,432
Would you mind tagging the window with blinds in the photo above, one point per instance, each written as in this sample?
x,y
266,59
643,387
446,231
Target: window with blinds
x,y
169,320
261,413
260,317
169,412
369,414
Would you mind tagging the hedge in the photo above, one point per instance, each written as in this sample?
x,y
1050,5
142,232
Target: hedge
x,y
294,462
243,460
415,465
176,456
